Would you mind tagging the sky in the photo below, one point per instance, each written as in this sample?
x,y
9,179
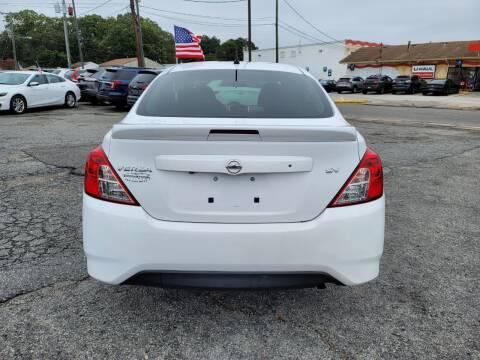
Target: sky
x,y
302,21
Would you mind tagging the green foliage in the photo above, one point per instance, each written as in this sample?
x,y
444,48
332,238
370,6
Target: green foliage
x,y
230,48
40,38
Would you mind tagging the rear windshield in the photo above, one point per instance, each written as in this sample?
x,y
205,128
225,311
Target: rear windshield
x,y
344,79
118,75
403,77
145,78
231,94
374,77
438,81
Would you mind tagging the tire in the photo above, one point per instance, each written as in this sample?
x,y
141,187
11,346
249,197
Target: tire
x,y
354,90
394,92
364,92
18,104
339,91
70,100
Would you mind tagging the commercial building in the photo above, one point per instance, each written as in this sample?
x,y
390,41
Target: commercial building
x,y
456,60
321,59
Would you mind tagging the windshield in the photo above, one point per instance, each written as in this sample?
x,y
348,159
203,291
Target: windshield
x,y
13,78
231,94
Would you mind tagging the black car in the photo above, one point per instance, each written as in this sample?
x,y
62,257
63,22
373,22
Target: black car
x,y
441,87
139,83
351,84
328,85
378,83
408,84
89,86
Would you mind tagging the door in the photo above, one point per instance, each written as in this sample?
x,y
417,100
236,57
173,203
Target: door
x,y
57,89
38,95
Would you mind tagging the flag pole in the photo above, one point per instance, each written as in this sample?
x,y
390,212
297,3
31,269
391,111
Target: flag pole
x,y
249,31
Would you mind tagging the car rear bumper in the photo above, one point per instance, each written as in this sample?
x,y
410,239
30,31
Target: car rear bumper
x,y
112,98
123,244
401,87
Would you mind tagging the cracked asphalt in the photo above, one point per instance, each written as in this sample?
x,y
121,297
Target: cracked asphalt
x,y
425,303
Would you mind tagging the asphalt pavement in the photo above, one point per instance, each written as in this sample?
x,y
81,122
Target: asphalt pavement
x,y
425,303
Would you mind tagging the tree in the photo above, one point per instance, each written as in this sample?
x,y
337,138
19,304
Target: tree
x,y
210,46
231,48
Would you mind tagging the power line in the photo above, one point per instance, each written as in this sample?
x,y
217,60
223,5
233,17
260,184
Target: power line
x,y
308,22
205,23
96,7
215,2
203,16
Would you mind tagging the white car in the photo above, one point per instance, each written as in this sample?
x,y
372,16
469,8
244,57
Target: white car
x,y
233,176
22,90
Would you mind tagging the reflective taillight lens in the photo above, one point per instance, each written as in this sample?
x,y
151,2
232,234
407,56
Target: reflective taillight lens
x,y
365,184
102,182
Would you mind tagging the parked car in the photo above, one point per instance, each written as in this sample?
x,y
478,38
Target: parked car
x,y
351,84
440,87
60,71
329,85
22,90
378,83
200,185
89,86
114,83
139,83
410,84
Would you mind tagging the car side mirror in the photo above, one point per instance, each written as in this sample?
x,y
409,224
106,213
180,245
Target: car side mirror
x,y
34,83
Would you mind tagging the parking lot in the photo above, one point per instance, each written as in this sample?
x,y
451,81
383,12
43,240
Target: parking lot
x,y
424,304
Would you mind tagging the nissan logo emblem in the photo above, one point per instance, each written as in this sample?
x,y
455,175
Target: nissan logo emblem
x,y
233,167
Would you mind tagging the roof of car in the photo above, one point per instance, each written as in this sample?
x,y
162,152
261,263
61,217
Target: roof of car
x,y
29,72
229,65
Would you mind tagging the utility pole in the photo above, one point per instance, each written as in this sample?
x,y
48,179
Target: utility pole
x,y
65,30
140,34
136,28
276,31
79,41
249,31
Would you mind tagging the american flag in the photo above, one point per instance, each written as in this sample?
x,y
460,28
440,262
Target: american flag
x,y
187,45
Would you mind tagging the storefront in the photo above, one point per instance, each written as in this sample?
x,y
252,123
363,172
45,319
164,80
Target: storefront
x,y
457,60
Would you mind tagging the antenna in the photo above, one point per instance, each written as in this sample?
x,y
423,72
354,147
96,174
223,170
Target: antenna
x,y
236,61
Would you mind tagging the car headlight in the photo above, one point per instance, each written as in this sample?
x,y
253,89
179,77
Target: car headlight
x,y
408,82
3,93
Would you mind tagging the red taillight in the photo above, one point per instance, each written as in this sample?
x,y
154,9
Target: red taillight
x,y
116,84
102,182
365,184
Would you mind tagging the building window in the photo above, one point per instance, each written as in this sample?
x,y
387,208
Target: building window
x,y
282,54
293,53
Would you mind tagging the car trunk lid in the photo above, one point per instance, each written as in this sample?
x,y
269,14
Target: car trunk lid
x,y
231,172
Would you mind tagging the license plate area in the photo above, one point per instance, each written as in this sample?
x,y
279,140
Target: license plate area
x,y
221,195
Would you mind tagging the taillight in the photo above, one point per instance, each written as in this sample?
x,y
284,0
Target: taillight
x,y
102,182
365,184
116,84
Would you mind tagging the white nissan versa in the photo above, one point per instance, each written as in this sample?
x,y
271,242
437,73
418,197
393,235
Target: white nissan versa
x,y
233,175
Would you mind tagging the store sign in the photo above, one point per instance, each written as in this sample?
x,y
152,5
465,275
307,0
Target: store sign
x,y
424,71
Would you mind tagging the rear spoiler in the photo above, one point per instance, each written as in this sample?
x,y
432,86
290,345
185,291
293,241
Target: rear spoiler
x,y
234,133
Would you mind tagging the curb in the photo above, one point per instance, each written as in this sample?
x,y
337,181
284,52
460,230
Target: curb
x,y
350,101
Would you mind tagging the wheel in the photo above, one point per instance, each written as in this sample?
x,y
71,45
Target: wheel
x,y
70,100
354,90
364,92
339,91
394,92
412,90
18,104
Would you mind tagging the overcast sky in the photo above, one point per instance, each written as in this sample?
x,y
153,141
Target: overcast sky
x,y
387,21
